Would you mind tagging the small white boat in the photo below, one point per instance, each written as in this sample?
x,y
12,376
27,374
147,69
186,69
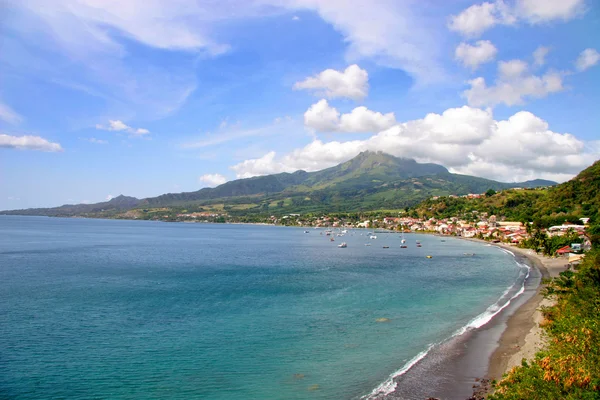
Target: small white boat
x,y
367,244
306,232
372,237
343,245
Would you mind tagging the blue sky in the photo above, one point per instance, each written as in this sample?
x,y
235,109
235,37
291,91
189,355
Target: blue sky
x,y
105,97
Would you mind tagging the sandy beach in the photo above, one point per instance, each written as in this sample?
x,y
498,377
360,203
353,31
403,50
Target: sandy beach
x,y
523,337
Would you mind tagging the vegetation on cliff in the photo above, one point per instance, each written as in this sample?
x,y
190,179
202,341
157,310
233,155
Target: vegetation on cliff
x,y
569,367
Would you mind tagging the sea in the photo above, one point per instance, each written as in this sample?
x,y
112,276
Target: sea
x,y
115,309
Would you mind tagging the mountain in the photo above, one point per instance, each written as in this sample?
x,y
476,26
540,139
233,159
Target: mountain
x,y
371,180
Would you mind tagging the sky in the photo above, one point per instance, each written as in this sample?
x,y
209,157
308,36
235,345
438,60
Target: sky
x,y
144,97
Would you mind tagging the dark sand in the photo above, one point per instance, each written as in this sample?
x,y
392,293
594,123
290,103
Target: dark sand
x,y
452,370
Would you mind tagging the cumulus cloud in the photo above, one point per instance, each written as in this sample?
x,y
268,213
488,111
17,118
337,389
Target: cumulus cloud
x,y
264,165
352,83
478,18
9,115
324,118
539,55
515,83
473,56
28,143
588,58
466,139
119,126
212,179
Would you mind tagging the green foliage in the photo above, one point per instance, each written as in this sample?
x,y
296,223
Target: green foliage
x,y
541,242
569,368
490,192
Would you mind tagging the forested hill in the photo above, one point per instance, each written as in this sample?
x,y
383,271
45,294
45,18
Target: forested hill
x,y
568,201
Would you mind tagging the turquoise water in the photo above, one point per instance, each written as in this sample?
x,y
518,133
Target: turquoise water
x,y
143,310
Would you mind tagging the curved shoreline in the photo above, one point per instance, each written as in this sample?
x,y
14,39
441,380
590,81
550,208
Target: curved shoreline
x,y
454,369
522,337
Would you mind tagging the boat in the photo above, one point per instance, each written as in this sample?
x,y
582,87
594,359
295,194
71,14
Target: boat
x,y
469,254
429,256
306,232
403,240
418,242
372,237
419,245
386,247
403,246
332,239
343,245
367,244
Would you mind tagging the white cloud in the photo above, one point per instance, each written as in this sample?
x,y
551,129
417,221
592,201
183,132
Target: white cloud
x,y
212,179
515,83
119,126
352,83
588,58
295,18
9,115
467,140
28,143
539,55
109,197
536,11
260,166
324,118
476,19
473,56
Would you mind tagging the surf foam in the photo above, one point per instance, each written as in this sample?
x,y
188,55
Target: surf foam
x,y
389,385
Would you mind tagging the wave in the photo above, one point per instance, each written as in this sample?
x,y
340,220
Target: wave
x,y
498,306
389,385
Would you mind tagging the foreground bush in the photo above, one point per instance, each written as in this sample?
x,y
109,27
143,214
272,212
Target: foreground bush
x,y
569,367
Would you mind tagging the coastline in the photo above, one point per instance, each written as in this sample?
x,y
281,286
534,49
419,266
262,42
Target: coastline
x,y
463,366
522,337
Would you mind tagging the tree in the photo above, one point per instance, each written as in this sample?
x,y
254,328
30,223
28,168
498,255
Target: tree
x,y
490,193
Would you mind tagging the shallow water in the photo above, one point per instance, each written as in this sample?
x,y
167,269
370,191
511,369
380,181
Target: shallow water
x,y
132,309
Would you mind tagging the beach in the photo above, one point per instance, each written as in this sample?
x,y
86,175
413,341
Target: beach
x,y
463,366
523,336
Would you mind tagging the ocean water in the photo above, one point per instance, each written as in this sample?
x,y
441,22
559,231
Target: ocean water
x,y
149,310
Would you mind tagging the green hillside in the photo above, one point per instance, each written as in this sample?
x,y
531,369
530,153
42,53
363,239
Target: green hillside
x,y
569,201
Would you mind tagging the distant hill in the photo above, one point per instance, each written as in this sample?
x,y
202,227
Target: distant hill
x,y
371,180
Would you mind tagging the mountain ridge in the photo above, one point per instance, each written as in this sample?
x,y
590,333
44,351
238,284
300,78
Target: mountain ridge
x,y
371,179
